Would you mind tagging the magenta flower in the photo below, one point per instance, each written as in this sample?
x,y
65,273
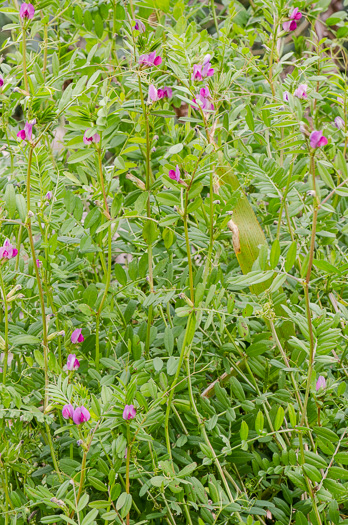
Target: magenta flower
x,y
150,60
291,24
301,91
89,140
317,139
203,100
27,11
77,337
153,93
175,174
8,251
321,383
72,362
165,92
48,196
139,26
68,411
81,415
1,81
38,263
204,70
339,123
129,412
27,132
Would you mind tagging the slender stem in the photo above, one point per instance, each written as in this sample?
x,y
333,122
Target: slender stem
x,y
205,435
212,3
83,474
191,319
127,464
108,269
3,292
189,260
24,55
316,204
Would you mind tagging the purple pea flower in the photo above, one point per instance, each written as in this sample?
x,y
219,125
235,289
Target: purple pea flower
x,y
68,411
8,251
81,415
301,91
150,60
321,383
317,139
72,362
1,81
291,24
27,11
139,26
203,99
27,132
165,92
153,94
129,412
89,140
77,337
175,174
286,96
339,123
204,70
48,196
38,263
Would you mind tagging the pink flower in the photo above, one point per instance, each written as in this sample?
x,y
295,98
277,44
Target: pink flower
x,y
317,140
48,196
89,140
129,412
8,251
139,26
27,131
301,91
72,362
153,93
27,11
38,263
150,60
77,337
201,71
321,383
68,411
175,175
295,14
81,415
1,81
339,123
203,101
291,24
165,92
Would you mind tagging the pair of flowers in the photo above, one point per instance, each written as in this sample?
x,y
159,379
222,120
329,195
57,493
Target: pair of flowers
x,y
79,415
203,99
291,24
8,251
300,92
158,94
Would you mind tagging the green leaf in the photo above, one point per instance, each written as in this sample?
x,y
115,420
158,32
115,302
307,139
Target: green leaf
x,y
150,232
275,254
10,200
244,431
279,419
98,25
291,257
259,422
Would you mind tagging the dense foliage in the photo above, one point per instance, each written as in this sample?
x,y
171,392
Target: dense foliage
x,y
173,263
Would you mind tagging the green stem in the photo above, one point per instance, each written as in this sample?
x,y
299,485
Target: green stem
x,y
3,292
187,337
108,270
316,204
205,435
212,3
24,55
127,464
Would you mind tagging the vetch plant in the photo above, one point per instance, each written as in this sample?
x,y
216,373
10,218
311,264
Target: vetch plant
x,y
173,260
